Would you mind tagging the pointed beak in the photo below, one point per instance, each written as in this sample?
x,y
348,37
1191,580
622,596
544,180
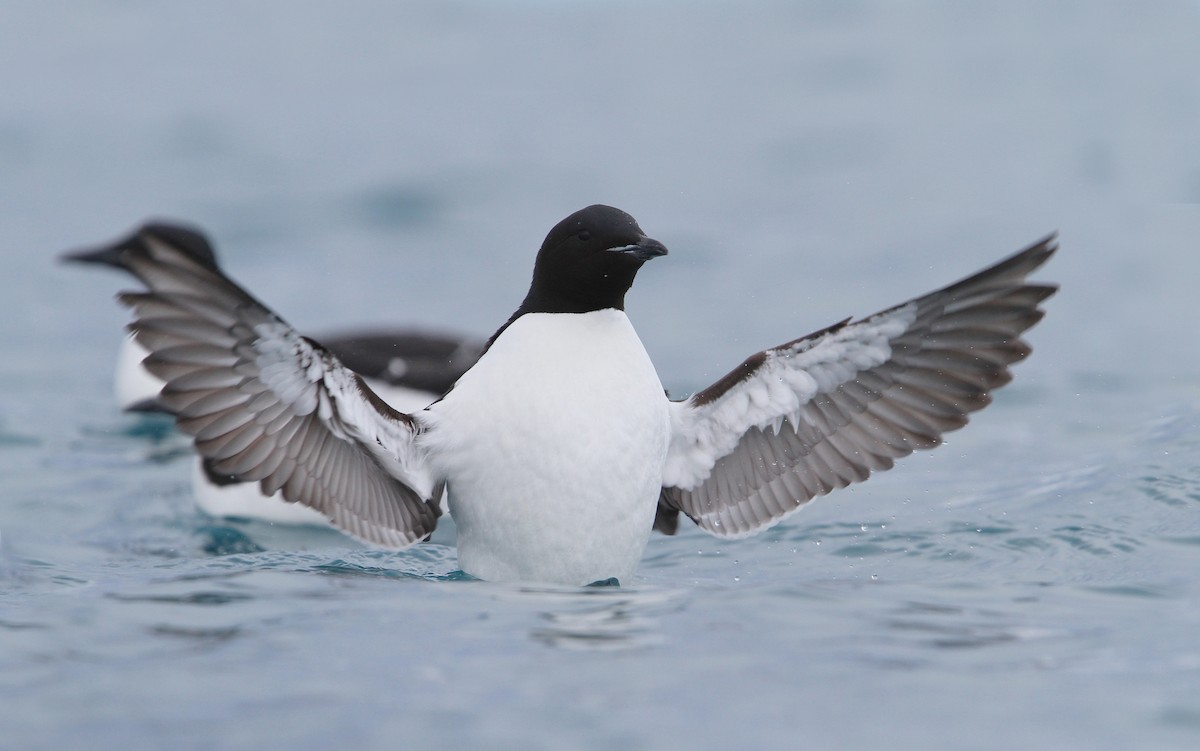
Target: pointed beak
x,y
643,249
108,255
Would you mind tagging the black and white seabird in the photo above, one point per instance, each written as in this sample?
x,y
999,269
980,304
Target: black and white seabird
x,y
559,447
407,367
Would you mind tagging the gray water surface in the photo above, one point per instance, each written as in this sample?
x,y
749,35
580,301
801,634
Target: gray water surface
x,y
1032,584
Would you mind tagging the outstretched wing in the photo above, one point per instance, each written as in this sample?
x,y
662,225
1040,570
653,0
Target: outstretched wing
x,y
266,404
820,412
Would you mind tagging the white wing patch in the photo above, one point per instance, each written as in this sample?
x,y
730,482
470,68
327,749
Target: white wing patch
x,y
816,414
789,377
267,405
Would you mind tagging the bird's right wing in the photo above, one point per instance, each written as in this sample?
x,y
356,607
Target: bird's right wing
x,y
265,404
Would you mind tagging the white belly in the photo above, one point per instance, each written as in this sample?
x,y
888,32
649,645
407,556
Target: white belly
x,y
552,447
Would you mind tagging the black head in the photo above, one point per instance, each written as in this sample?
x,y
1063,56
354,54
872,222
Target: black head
x,y
191,242
588,262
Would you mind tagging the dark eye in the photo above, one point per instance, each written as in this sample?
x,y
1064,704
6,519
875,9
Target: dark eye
x,y
584,235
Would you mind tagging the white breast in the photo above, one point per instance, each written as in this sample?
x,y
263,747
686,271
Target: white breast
x,y
553,447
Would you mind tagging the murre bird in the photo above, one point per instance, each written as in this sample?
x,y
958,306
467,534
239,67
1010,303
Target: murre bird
x,y
407,367
559,447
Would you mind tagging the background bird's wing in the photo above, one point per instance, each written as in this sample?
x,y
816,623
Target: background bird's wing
x,y
820,412
266,404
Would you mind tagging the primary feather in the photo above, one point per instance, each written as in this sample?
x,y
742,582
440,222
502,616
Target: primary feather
x,y
266,404
820,412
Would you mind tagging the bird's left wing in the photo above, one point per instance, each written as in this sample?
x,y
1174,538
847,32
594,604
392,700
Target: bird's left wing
x,y
823,411
264,403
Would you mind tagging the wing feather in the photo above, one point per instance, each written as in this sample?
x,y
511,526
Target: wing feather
x,y
268,405
821,412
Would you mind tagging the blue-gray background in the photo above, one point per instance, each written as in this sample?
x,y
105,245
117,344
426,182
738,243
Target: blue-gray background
x,y
1032,584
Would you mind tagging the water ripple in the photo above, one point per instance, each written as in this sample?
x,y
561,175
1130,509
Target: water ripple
x,y
600,619
187,598
1172,487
